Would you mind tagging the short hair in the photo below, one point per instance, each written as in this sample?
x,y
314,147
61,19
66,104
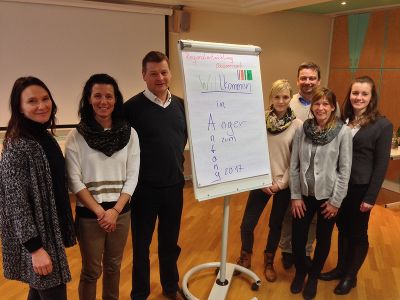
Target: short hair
x,y
85,110
323,92
15,124
279,86
153,56
372,112
309,65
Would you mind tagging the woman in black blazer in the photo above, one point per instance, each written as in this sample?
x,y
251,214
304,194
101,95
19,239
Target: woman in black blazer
x,y
371,152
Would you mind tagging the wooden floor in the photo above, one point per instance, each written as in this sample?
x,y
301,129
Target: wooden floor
x,y
200,240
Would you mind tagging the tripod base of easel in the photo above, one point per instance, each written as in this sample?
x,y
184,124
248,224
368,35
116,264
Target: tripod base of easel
x,y
220,289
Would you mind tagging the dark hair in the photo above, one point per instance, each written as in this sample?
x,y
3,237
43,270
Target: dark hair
x,y
85,111
309,65
371,113
153,56
15,126
322,92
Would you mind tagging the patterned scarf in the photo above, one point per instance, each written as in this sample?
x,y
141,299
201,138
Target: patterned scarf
x,y
105,141
321,137
276,125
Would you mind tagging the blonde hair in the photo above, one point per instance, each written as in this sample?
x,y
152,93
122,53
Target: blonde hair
x,y
279,86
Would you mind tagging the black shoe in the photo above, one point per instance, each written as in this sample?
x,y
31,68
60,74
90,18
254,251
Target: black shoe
x,y
178,295
310,290
333,274
287,260
345,285
297,284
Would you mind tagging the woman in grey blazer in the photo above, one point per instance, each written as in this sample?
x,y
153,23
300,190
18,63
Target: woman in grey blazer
x,y
319,173
372,135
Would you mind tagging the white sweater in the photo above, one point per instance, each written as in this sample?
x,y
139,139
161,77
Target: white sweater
x,y
301,111
105,177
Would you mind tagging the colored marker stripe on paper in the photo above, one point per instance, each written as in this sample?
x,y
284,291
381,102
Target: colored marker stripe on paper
x,y
245,74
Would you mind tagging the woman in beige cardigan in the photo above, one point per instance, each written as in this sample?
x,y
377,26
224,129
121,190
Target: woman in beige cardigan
x,y
281,126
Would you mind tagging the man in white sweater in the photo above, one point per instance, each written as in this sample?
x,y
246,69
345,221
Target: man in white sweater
x,y
308,77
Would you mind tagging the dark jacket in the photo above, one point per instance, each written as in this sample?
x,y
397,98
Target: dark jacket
x,y
28,210
371,154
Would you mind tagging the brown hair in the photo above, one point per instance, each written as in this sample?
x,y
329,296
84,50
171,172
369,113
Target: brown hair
x,y
322,92
15,126
309,65
153,56
371,113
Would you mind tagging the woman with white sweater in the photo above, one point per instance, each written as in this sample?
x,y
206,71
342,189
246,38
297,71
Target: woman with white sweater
x,y
281,126
102,158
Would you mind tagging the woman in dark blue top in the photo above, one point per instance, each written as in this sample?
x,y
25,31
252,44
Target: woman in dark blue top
x,y
371,152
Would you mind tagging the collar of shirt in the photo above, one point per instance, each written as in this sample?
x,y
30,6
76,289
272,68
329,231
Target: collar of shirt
x,y
304,101
354,129
153,98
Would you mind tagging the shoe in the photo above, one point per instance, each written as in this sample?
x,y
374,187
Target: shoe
x,y
244,260
310,289
269,271
345,285
287,260
333,274
297,284
178,295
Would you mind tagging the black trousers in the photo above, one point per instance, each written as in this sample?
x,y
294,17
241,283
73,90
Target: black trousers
x,y
300,229
148,204
353,230
59,293
255,205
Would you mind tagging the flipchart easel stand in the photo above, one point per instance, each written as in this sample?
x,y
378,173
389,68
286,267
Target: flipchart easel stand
x,y
226,270
210,71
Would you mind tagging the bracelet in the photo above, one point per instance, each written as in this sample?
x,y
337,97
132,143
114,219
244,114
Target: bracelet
x,y
116,210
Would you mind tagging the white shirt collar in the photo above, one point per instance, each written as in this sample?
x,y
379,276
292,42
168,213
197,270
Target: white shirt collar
x,y
153,98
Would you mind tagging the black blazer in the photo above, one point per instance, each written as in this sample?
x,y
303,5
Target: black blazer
x,y
371,154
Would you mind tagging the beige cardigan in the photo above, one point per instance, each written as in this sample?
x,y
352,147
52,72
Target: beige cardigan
x,y
280,146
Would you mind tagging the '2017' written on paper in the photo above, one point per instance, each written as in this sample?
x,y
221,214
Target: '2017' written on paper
x,y
223,93
223,131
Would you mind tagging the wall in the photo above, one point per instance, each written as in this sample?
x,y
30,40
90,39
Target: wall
x,y
65,45
287,39
369,44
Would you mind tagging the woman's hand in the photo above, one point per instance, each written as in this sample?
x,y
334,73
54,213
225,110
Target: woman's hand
x,y
271,190
298,208
364,207
41,262
329,211
109,221
267,190
274,188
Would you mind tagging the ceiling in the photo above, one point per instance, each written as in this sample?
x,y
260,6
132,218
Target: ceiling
x,y
259,7
335,7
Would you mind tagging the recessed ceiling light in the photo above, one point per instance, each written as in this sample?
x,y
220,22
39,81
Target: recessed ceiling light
x,y
343,3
